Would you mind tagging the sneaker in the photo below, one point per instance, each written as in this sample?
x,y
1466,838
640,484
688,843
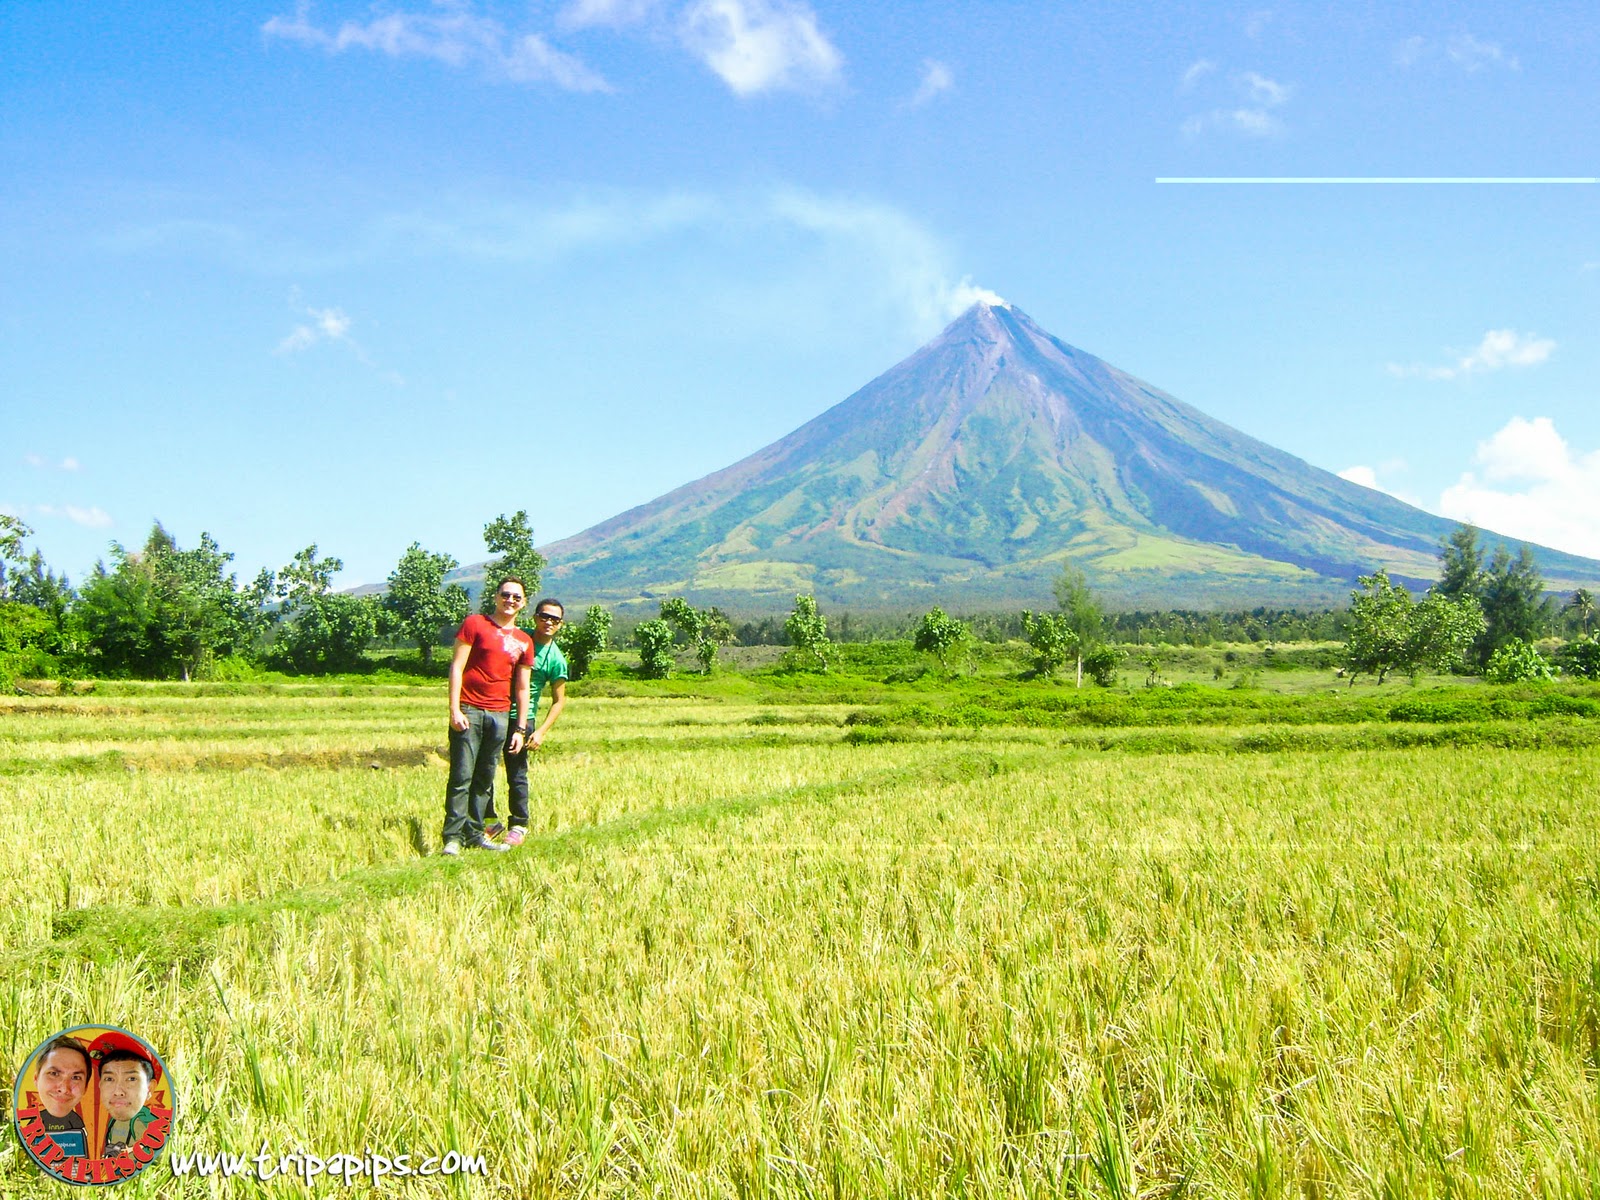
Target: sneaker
x,y
451,847
484,843
493,829
514,838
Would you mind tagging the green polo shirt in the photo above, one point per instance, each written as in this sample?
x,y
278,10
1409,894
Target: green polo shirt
x,y
549,666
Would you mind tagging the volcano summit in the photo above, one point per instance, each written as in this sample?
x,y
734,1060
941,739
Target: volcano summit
x,y
970,472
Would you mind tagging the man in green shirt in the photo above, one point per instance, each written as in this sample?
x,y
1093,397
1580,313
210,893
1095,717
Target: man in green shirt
x,y
549,666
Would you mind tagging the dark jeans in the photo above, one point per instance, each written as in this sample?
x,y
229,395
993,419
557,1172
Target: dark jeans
x,y
473,751
516,785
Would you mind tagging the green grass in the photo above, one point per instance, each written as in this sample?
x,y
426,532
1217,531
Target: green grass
x,y
797,936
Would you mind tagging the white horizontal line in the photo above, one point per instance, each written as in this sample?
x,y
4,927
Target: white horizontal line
x,y
1378,179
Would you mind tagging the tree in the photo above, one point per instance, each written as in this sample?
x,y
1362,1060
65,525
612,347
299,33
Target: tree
x,y
654,639
1513,608
582,640
163,611
1052,640
419,601
707,631
807,630
43,589
1509,590
12,534
319,631
1461,560
941,636
1084,616
510,539
1581,604
1390,632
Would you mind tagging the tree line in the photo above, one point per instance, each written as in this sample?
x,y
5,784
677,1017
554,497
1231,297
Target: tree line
x,y
164,612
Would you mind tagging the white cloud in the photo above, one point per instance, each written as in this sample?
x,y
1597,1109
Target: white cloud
x,y
1253,116
325,324
1500,348
613,14
1197,71
1263,90
1374,478
41,463
1256,23
1462,49
1558,501
936,78
903,258
760,45
1468,53
453,35
92,517
1252,122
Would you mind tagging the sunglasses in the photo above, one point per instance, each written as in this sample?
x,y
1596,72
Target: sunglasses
x,y
547,616
516,596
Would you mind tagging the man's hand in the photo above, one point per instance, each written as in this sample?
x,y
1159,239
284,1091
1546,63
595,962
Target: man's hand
x,y
536,739
458,720
515,745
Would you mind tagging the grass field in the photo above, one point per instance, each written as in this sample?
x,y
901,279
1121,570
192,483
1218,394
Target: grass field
x,y
836,937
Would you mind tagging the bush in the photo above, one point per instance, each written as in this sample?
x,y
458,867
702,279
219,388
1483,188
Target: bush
x,y
1517,662
1102,664
1582,658
654,639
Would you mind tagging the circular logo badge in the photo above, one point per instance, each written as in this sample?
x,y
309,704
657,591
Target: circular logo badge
x,y
94,1105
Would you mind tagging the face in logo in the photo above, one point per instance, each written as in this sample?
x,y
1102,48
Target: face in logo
x,y
62,1077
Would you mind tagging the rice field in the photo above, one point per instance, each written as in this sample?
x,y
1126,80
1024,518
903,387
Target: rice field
x,y
746,953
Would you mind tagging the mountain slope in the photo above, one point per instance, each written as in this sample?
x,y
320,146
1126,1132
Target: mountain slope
x,y
970,471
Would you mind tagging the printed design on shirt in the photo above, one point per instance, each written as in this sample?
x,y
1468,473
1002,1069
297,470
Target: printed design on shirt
x,y
511,644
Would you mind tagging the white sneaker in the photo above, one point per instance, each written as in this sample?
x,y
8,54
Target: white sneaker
x,y
483,843
451,847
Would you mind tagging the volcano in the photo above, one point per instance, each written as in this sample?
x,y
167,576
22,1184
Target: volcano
x,y
969,473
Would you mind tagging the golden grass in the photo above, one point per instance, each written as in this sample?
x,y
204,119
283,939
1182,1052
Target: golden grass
x,y
743,959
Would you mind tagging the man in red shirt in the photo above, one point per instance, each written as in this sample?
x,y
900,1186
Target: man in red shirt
x,y
490,653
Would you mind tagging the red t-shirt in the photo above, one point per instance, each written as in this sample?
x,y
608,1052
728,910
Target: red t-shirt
x,y
486,681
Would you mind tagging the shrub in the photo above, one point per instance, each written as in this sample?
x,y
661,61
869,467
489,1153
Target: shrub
x,y
1517,662
1582,658
1102,664
654,639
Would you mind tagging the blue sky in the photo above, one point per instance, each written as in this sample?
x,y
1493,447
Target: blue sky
x,y
367,273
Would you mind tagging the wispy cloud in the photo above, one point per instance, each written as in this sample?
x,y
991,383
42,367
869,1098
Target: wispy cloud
x,y
40,463
936,78
92,517
323,325
453,35
1462,50
757,46
1197,71
1255,23
1530,484
1254,112
611,14
1499,349
328,326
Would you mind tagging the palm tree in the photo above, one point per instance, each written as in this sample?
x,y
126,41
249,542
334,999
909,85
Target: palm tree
x,y
1582,603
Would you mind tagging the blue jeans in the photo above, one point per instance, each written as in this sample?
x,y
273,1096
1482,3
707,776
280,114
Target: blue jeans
x,y
474,755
